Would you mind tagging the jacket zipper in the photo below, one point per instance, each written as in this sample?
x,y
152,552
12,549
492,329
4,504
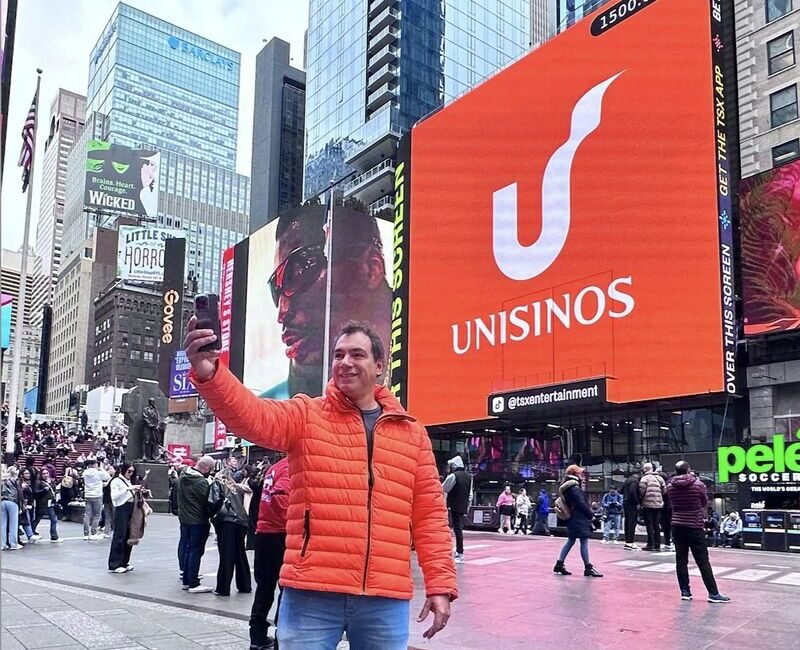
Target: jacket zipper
x,y
306,531
370,484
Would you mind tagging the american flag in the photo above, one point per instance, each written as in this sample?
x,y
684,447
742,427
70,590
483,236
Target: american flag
x,y
26,155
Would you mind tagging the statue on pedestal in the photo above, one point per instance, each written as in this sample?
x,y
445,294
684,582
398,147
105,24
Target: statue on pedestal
x,y
152,431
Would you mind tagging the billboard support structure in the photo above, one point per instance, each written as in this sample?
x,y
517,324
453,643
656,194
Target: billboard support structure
x,y
171,317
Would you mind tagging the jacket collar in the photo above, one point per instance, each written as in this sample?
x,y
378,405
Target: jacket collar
x,y
388,402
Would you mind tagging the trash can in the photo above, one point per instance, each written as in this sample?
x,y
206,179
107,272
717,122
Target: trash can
x,y
775,537
793,531
752,530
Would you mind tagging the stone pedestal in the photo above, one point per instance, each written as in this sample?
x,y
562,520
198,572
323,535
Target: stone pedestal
x,y
158,482
133,403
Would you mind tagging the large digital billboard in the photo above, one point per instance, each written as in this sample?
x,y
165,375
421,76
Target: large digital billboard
x,y
769,212
122,180
280,295
570,219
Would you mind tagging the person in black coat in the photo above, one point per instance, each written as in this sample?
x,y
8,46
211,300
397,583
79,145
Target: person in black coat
x,y
579,524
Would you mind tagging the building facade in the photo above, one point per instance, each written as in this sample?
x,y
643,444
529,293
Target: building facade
x,y
126,340
165,87
543,21
768,79
81,279
10,277
67,116
375,68
276,171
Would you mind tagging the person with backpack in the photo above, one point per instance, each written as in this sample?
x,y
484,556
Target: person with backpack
x,y
541,527
457,488
571,507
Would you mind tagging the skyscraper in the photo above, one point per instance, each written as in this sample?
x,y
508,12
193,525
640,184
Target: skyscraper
x,y
276,171
375,68
768,81
165,87
162,87
66,120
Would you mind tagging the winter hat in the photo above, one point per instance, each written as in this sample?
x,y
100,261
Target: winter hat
x,y
456,462
574,470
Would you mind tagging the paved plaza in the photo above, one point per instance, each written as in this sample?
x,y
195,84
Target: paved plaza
x,y
61,597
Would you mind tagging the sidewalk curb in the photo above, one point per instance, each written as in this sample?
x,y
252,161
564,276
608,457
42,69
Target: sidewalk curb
x,y
126,594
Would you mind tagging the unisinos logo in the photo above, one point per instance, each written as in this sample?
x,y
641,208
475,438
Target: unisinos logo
x,y
198,52
520,262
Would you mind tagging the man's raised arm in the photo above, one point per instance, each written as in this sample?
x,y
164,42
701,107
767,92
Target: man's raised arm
x,y
269,423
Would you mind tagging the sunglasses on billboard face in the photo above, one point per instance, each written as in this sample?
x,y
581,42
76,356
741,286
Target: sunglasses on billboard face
x,y
301,268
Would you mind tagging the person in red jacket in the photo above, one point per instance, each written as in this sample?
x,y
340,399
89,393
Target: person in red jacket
x,y
364,489
270,547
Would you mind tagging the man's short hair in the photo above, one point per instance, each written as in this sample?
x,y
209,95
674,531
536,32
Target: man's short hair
x,y
647,467
682,467
205,463
354,327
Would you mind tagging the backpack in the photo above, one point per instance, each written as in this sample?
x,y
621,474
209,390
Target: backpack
x,y
563,511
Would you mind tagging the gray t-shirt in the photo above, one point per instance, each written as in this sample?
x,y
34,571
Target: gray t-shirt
x,y
370,418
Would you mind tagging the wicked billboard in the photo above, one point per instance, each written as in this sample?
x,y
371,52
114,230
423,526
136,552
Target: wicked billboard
x,y
122,180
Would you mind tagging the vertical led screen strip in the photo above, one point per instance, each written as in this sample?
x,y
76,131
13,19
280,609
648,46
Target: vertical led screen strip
x,y
565,220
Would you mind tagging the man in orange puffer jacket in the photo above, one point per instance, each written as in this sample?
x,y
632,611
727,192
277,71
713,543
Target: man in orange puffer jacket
x,y
364,486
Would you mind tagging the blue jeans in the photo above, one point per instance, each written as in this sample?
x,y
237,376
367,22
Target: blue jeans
x,y
315,620
9,523
612,522
51,513
568,547
196,538
182,549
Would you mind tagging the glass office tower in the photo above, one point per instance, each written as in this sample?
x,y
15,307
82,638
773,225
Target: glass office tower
x,y
165,87
374,67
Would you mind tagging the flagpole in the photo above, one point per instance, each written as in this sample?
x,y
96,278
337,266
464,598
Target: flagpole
x,y
16,361
326,356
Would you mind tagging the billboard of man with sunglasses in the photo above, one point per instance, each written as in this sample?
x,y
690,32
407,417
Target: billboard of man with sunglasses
x,y
286,294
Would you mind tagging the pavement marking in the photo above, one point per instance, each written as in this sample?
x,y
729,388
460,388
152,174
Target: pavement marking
x,y
773,566
488,560
86,630
718,570
632,563
472,547
751,575
788,579
659,568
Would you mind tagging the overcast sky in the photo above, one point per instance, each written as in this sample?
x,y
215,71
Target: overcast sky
x,y
58,37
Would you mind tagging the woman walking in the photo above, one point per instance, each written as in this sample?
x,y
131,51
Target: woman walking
x,y
523,511
579,522
9,511
119,557
44,494
505,505
230,521
26,505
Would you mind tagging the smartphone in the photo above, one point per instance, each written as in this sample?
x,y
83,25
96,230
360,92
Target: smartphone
x,y
206,308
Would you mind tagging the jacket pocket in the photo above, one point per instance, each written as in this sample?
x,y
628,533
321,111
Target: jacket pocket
x,y
306,532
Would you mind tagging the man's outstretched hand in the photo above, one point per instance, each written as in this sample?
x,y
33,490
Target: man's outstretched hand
x,y
440,606
204,364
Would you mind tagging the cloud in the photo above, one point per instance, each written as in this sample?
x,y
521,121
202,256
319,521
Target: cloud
x,y
60,42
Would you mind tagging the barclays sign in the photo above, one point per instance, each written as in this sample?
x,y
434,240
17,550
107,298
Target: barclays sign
x,y
103,44
199,53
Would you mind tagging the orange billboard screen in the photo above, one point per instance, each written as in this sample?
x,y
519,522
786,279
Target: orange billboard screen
x,y
562,221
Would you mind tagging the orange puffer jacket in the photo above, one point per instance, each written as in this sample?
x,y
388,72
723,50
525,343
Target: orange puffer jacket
x,y
349,526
